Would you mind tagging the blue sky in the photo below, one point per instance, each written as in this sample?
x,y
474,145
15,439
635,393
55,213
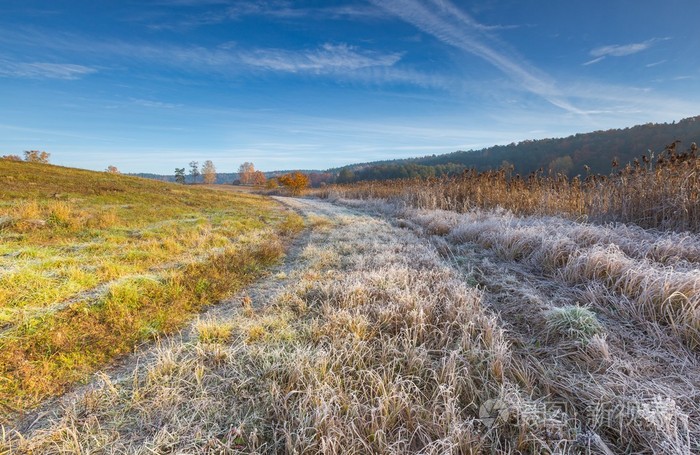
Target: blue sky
x,y
151,85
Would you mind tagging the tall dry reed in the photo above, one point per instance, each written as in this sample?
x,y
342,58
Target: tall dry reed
x,y
664,194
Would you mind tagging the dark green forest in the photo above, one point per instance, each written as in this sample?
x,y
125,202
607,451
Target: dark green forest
x,y
569,155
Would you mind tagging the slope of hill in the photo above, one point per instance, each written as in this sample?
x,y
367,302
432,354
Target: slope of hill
x,y
93,263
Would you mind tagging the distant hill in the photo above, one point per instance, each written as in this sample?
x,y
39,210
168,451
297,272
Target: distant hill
x,y
568,155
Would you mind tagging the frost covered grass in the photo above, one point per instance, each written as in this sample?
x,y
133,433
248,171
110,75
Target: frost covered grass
x,y
601,318
656,273
574,322
420,332
374,346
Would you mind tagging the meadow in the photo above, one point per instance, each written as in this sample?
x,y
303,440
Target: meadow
x,y
477,314
92,264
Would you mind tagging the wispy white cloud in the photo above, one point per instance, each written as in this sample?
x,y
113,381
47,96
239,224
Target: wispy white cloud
x,y
621,50
650,65
154,104
40,70
337,60
595,60
222,11
327,58
449,24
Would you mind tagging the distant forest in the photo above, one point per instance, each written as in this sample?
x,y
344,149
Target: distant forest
x,y
567,155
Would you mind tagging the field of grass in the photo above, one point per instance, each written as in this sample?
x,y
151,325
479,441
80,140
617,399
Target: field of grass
x,y
602,320
372,346
93,263
398,327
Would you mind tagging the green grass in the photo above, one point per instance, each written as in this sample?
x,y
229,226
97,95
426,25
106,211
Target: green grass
x,y
574,322
93,263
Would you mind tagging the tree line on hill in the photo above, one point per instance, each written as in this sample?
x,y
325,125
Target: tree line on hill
x,y
578,154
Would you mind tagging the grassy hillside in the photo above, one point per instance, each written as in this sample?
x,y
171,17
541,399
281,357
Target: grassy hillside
x,y
93,263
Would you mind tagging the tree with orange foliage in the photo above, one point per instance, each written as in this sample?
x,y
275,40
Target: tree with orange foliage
x,y
296,182
246,172
112,169
259,178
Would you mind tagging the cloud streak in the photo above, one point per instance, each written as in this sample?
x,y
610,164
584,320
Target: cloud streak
x,y
39,70
221,12
452,26
337,60
620,50
328,58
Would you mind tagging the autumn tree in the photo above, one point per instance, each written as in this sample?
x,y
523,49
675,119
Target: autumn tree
x,y
180,175
209,172
296,182
112,169
194,170
259,178
246,172
11,158
36,156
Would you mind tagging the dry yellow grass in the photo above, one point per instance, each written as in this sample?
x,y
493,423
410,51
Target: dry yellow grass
x,y
663,195
422,331
93,263
374,346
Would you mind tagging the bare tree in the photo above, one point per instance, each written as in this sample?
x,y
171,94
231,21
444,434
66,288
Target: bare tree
x,y
35,156
246,172
209,172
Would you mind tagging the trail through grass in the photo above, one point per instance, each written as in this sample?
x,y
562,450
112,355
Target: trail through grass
x,y
91,264
370,345
397,330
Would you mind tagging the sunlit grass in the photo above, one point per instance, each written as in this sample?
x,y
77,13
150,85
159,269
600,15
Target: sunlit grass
x,y
92,263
